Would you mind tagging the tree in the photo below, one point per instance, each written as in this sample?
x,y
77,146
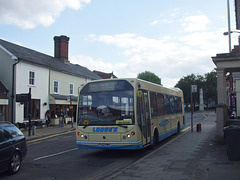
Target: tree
x,y
149,76
185,85
208,83
210,87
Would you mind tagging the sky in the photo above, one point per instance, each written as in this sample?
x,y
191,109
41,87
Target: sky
x,y
171,39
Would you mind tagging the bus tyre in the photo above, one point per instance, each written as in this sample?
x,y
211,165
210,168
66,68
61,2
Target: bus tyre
x,y
178,128
155,139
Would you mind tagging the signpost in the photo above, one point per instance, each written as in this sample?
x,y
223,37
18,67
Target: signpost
x,y
69,99
193,90
26,97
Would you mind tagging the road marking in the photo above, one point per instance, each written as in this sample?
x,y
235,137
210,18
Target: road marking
x,y
185,129
32,141
51,155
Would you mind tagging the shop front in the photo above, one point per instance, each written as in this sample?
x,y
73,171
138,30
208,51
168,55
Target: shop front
x,y
67,103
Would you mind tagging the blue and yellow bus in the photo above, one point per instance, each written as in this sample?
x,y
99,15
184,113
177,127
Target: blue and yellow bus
x,y
127,114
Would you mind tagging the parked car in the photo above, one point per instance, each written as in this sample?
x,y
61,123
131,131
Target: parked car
x,y
13,147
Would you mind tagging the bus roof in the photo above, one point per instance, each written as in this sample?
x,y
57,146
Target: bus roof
x,y
142,84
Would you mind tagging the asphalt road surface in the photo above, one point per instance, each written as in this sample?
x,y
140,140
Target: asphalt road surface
x,y
58,158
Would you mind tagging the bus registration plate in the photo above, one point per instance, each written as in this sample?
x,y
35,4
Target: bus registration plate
x,y
104,144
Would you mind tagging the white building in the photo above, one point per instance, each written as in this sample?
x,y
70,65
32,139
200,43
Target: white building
x,y
52,80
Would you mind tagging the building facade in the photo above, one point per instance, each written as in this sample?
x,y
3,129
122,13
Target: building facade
x,y
53,81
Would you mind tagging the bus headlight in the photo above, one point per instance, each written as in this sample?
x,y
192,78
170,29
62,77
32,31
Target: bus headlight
x,y
79,134
128,135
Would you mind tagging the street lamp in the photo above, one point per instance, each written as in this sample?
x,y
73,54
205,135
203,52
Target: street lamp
x,y
226,33
229,35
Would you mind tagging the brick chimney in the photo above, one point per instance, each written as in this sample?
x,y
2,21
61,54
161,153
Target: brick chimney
x,y
61,47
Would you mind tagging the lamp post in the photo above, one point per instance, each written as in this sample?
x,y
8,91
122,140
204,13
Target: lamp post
x,y
71,107
229,27
193,90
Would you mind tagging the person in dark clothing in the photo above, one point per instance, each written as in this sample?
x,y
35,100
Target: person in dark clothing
x,y
47,118
61,118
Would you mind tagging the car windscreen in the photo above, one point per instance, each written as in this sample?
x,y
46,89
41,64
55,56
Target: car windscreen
x,y
13,130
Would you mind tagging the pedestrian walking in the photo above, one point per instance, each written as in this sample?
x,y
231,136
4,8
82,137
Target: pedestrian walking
x,y
47,118
61,118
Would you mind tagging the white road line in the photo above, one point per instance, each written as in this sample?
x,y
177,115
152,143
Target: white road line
x,y
51,155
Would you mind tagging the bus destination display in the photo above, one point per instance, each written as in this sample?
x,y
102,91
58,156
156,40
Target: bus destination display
x,y
106,86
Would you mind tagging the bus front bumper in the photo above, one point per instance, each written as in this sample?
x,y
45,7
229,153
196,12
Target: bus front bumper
x,y
110,145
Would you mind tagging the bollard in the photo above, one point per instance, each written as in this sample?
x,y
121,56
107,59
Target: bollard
x,y
199,128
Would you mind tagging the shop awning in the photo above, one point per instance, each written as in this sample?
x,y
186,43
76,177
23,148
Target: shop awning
x,y
62,99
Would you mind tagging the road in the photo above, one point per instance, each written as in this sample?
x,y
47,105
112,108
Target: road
x,y
58,158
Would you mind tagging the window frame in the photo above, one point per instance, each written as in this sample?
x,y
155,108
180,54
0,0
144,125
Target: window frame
x,y
31,80
35,109
56,92
71,93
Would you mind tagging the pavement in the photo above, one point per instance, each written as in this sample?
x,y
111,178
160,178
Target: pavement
x,y
48,131
190,156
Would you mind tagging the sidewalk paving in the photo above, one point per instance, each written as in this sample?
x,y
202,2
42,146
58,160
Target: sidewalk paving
x,y
47,131
192,156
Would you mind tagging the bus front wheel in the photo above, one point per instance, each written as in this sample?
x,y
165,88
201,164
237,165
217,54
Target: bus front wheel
x,y
178,128
155,139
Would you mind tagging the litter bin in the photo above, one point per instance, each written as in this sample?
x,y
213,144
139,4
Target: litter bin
x,y
232,135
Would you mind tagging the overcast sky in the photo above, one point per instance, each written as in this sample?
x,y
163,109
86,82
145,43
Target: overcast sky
x,y
169,38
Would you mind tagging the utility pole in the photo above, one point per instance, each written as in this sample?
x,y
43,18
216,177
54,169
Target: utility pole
x,y
193,90
29,112
229,26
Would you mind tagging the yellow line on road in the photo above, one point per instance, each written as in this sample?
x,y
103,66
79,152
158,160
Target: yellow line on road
x,y
186,129
39,139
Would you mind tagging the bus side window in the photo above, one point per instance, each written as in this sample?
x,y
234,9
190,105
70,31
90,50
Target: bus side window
x,y
167,104
139,120
153,102
160,104
172,106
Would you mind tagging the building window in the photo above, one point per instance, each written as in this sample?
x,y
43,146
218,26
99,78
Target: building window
x,y
32,78
34,110
56,87
71,89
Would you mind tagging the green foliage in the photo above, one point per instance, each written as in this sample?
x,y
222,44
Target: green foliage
x,y
210,87
185,85
149,76
208,83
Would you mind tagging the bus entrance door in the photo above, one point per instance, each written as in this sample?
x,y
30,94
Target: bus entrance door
x,y
144,117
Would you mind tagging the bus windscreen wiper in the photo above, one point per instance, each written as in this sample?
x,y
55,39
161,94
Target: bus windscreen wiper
x,y
120,125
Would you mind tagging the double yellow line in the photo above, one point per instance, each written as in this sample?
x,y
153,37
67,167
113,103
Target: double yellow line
x,y
47,137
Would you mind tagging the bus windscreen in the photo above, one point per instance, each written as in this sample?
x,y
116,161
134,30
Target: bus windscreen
x,y
106,103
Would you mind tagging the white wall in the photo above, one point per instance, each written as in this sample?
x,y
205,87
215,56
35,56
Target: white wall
x,y
64,82
38,91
